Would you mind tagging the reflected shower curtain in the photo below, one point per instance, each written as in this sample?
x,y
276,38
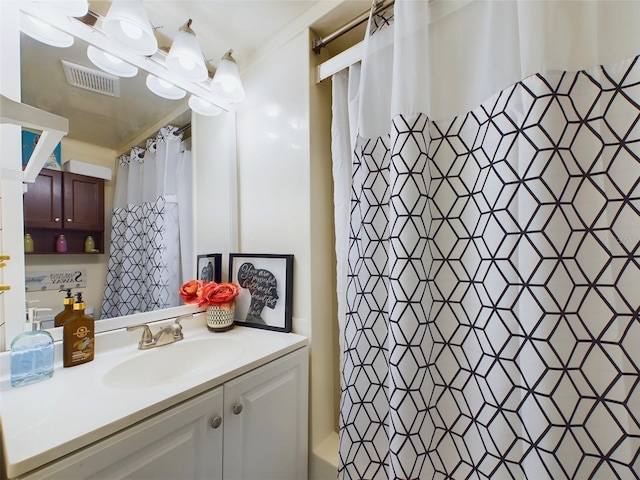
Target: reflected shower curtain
x,y
151,252
487,196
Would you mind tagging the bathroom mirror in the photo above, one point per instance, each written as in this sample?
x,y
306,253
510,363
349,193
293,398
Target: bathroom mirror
x,y
117,123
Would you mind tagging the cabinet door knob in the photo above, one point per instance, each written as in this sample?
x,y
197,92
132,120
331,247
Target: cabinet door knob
x,y
69,220
216,421
57,219
237,408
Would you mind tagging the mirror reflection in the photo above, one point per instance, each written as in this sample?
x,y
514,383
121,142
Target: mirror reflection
x,y
145,267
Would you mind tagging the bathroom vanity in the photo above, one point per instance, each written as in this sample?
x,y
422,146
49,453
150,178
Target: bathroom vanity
x,y
230,405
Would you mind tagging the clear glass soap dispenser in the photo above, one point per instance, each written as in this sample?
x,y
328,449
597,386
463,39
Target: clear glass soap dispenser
x,y
32,352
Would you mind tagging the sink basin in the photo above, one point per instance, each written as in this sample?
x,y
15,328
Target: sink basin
x,y
168,363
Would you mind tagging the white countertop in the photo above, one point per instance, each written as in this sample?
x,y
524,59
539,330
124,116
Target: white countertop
x,y
46,420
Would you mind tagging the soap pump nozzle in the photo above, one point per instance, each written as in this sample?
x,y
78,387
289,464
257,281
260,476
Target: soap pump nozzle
x,y
79,305
33,323
69,299
29,310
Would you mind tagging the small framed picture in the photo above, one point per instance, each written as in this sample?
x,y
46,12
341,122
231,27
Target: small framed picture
x,y
209,267
29,141
266,290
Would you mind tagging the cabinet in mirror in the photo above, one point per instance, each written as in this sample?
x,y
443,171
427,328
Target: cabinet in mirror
x,y
63,203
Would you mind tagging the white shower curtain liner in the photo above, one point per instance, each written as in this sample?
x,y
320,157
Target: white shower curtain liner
x,y
449,56
487,214
151,241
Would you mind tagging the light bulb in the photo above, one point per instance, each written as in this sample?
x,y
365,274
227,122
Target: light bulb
x,y
187,63
113,58
110,63
132,31
43,32
39,23
164,83
227,85
71,8
203,107
164,89
185,57
127,24
226,82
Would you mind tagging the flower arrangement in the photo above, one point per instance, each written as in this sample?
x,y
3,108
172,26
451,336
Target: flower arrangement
x,y
207,294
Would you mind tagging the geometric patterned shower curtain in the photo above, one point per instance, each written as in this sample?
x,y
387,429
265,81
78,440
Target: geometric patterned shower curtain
x,y
144,271
493,290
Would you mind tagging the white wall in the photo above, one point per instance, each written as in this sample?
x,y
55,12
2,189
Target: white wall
x,y
12,301
214,150
326,348
273,167
285,194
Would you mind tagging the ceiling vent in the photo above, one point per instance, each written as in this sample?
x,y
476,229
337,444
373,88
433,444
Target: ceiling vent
x,y
90,79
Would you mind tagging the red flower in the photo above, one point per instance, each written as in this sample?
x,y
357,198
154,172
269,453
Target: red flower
x,y
218,294
189,291
206,294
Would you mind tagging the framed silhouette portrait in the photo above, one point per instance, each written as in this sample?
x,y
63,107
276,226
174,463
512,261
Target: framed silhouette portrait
x,y
209,267
29,141
266,290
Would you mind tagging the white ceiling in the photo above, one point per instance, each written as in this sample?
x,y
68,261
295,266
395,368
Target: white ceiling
x,y
242,25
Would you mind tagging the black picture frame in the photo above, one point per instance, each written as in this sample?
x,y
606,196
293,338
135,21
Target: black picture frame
x,y
209,267
266,290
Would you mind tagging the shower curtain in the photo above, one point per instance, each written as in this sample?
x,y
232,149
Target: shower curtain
x,y
151,251
486,163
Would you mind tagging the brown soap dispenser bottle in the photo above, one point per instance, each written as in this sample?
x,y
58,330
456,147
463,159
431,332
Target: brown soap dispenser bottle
x,y
67,313
78,336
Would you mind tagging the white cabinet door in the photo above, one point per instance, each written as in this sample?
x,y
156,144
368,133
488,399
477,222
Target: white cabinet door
x,y
180,443
265,429
262,418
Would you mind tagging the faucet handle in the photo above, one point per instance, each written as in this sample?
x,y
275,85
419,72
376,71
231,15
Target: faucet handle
x,y
176,328
188,315
146,334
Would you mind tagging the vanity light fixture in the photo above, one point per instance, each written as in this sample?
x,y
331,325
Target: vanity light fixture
x,y
203,107
127,24
43,32
110,63
185,56
164,89
226,82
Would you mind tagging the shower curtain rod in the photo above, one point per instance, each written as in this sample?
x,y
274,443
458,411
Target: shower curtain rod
x,y
347,27
184,128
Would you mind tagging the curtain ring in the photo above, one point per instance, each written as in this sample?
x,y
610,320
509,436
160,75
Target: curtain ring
x,y
137,154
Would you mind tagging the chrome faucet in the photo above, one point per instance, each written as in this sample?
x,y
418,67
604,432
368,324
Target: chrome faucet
x,y
169,334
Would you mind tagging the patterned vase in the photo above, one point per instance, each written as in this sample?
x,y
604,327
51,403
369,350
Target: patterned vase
x,y
220,319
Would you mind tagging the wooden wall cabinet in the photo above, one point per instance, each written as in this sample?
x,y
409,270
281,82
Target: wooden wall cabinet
x,y
63,203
